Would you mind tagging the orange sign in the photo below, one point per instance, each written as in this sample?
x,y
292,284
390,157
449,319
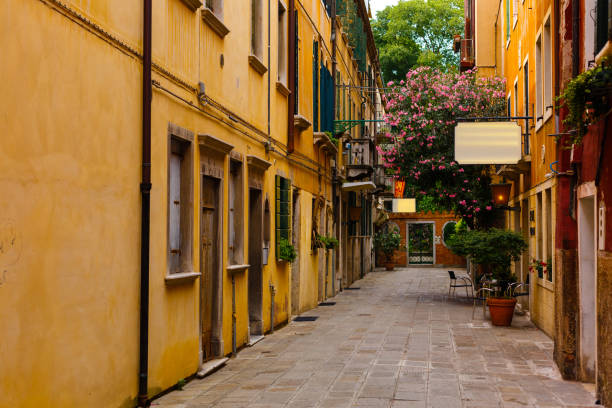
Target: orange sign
x,y
400,185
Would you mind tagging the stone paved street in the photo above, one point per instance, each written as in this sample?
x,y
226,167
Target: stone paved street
x,y
397,342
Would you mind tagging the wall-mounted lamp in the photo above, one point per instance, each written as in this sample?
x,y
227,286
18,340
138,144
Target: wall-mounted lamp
x,y
501,194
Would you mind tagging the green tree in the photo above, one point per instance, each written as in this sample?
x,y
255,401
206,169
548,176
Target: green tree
x,y
417,33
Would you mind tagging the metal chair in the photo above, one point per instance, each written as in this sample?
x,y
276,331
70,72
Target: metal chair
x,y
514,289
482,294
464,282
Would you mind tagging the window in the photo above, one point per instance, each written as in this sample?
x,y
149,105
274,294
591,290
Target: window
x,y
539,232
338,101
515,107
296,65
315,86
282,43
283,224
538,80
256,31
236,219
216,6
514,13
549,234
507,21
266,231
180,202
547,68
526,104
509,105
603,30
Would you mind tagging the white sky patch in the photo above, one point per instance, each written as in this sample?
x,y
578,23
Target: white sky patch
x,y
378,5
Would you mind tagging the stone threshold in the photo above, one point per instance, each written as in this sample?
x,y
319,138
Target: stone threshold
x,y
211,366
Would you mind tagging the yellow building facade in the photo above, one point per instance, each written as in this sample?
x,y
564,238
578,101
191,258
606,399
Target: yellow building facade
x,y
514,39
231,174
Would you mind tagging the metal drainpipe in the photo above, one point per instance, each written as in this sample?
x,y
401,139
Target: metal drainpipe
x,y
291,77
145,212
272,293
233,316
335,168
269,137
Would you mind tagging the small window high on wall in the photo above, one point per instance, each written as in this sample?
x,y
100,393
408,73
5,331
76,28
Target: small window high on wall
x,y
282,43
180,205
538,80
216,6
547,68
256,29
236,213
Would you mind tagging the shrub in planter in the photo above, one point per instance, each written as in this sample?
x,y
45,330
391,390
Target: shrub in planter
x,y
286,251
329,242
494,250
387,241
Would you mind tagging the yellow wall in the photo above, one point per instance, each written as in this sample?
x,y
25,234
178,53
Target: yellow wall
x,y
509,58
70,159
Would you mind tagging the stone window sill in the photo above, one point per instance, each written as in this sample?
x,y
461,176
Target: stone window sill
x,y
234,269
301,122
257,65
181,277
193,4
214,22
282,88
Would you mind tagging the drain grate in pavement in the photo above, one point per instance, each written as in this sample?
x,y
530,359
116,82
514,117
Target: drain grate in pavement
x,y
327,303
305,318
352,288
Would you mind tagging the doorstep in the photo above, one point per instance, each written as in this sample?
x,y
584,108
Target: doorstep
x,y
211,366
254,340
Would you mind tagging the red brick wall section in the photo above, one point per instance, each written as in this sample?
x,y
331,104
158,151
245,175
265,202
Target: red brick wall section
x,y
443,255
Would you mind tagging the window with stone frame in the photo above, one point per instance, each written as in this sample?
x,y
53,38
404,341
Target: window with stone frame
x,y
180,204
236,214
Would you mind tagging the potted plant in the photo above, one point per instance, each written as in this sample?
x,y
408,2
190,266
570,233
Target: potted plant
x,y
329,242
387,241
494,250
286,251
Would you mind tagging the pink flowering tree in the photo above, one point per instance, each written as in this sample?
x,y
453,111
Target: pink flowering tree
x,y
422,112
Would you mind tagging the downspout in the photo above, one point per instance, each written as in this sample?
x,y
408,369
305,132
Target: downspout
x,y
145,191
291,78
269,71
335,168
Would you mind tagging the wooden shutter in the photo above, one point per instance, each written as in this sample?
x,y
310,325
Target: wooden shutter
x,y
174,223
283,214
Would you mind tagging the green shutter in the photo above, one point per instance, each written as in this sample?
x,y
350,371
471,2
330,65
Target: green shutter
x,y
282,211
507,19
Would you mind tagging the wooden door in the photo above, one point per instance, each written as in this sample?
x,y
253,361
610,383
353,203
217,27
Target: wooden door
x,y
209,260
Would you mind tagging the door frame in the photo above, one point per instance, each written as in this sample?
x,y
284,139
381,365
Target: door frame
x,y
217,318
587,196
433,241
256,250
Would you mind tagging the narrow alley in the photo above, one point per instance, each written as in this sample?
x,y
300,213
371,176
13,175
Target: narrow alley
x,y
394,340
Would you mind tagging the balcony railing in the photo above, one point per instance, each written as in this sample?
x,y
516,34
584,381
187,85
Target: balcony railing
x,y
358,152
382,180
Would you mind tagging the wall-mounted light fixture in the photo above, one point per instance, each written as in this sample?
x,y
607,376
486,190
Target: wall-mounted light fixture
x,y
501,194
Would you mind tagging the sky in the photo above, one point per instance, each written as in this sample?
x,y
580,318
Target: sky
x,y
378,5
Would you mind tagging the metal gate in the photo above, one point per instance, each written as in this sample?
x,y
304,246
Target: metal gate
x,y
420,243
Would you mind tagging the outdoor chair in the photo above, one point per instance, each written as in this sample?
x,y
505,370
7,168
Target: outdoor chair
x,y
482,295
519,289
459,282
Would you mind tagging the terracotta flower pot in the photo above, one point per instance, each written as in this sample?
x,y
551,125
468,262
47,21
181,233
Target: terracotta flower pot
x,y
501,310
389,265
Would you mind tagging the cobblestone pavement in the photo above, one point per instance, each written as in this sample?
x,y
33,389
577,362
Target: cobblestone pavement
x,y
397,342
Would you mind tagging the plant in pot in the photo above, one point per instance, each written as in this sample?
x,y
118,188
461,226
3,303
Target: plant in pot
x,y
329,242
387,241
286,251
494,250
